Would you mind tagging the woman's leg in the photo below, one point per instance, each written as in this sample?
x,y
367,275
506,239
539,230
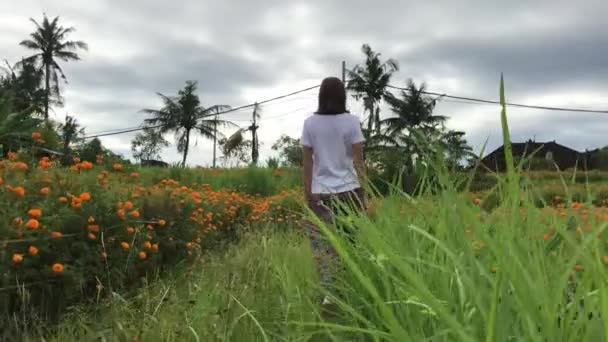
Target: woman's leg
x,y
323,252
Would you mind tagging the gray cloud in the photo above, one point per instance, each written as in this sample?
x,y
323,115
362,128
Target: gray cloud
x,y
552,53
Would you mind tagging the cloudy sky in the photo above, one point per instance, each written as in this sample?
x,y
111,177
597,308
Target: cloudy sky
x,y
553,53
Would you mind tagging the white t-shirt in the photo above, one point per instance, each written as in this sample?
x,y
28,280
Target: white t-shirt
x,y
331,138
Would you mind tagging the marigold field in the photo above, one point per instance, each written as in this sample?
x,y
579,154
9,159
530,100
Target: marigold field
x,y
70,236
104,251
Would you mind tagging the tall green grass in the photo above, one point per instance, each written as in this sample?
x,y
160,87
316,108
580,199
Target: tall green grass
x,y
251,180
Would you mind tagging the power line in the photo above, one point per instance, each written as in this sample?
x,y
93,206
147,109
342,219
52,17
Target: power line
x,y
508,103
208,115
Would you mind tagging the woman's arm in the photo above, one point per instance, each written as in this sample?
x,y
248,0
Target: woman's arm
x,y
307,160
359,164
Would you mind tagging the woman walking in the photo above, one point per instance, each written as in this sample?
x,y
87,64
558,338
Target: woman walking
x,y
334,171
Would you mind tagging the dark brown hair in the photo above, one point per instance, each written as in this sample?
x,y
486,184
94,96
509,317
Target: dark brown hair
x,y
332,97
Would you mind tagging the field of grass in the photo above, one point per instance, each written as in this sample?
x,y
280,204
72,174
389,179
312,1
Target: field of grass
x,y
440,265
432,267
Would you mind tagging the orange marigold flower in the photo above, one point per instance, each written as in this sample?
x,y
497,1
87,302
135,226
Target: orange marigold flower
x,y
17,258
86,165
579,267
545,236
32,224
135,213
45,191
162,222
35,213
121,213
147,245
36,135
189,245
20,166
32,250
58,268
142,255
19,191
124,245
44,163
117,167
128,205
134,174
63,199
155,247
56,234
130,230
12,156
94,228
76,202
85,196
92,236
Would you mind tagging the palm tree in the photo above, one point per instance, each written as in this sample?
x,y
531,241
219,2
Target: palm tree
x,y
69,132
414,110
369,82
456,148
49,40
182,115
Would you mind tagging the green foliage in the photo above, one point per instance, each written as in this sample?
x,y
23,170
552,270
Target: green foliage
x,y
22,84
599,159
235,152
290,151
272,163
69,132
15,128
148,145
91,150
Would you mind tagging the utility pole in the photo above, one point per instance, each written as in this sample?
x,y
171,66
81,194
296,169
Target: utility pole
x,y
254,136
214,139
344,72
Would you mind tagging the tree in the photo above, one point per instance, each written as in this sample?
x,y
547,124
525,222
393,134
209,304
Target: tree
x,y
370,82
15,127
147,145
413,110
290,150
50,40
235,154
182,115
69,132
456,148
91,150
24,81
414,128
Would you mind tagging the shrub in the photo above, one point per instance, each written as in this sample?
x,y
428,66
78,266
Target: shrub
x,y
71,235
